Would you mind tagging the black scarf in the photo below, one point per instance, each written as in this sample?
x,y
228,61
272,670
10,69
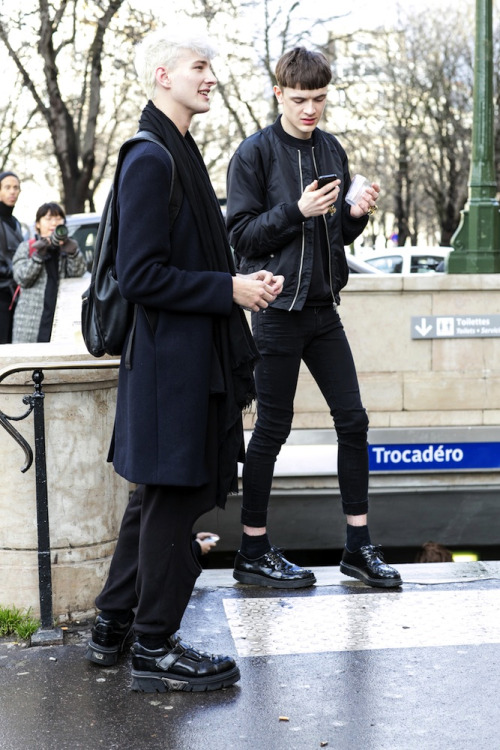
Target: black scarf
x,y
51,265
233,340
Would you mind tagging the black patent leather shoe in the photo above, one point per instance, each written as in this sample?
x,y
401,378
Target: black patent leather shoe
x,y
272,569
179,666
109,638
368,565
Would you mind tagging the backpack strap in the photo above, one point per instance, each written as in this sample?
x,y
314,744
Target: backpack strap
x,y
175,197
16,294
176,193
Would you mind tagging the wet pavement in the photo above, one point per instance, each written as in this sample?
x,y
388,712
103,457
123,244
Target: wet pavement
x,y
338,665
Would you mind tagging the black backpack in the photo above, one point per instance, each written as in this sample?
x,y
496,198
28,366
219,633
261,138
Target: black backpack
x,y
106,315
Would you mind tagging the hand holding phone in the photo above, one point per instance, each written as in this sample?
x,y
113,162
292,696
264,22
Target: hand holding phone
x,y
325,179
314,203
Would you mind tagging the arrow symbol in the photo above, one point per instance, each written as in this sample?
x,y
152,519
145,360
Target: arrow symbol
x,y
423,329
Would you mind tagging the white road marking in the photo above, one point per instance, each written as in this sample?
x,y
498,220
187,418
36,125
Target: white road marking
x,y
316,624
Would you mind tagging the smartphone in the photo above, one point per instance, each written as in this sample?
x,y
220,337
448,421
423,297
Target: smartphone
x,y
324,179
213,538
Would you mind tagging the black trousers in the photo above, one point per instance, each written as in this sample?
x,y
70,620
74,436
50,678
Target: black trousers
x,y
316,336
154,568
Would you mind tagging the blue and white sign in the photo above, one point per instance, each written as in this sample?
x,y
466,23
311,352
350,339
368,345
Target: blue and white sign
x,y
455,326
435,457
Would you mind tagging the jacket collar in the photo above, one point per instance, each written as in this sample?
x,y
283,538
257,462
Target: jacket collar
x,y
299,143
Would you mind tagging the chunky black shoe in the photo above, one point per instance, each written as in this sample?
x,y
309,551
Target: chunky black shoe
x,y
108,639
272,569
179,666
368,565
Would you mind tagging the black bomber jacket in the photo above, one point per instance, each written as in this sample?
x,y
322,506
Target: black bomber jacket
x,y
266,177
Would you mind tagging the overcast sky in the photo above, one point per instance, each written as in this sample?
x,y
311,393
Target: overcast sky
x,y
361,14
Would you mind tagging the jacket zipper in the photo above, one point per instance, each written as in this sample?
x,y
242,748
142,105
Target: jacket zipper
x,y
327,237
303,239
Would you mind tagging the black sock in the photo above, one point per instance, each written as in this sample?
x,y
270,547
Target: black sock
x,y
253,547
151,642
357,537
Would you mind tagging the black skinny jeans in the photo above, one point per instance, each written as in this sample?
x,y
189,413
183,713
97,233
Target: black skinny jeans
x,y
315,335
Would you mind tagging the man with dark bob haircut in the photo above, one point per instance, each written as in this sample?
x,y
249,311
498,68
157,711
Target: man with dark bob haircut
x,y
282,218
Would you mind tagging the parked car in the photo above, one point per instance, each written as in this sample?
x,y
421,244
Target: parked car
x,y
407,260
357,265
83,229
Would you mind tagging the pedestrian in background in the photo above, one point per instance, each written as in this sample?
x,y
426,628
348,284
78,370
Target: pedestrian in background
x,y
38,265
10,237
433,552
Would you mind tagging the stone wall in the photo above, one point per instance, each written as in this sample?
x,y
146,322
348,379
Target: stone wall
x,y
414,383
86,498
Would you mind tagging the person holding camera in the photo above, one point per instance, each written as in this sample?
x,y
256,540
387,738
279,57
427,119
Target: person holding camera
x,y
38,264
287,213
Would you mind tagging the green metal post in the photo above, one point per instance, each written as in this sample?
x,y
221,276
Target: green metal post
x,y
476,242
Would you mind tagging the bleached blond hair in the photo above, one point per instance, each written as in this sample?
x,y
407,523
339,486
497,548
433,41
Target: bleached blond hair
x,y
163,48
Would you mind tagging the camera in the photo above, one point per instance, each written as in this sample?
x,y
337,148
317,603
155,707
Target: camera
x,y
60,234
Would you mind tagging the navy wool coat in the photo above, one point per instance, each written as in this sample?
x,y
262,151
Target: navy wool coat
x,y
162,402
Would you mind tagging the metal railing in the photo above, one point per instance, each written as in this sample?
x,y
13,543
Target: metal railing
x,y
47,633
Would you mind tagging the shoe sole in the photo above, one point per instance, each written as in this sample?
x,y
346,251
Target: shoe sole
x,y
381,583
154,682
255,579
108,657
100,656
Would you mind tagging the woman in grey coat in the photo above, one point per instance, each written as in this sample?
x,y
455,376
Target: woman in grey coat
x,y
38,264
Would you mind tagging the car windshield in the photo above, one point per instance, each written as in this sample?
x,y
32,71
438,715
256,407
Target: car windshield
x,y
388,264
419,260
424,263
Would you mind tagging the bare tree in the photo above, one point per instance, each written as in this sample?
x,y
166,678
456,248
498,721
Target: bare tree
x,y
400,103
62,52
446,104
13,122
245,82
412,98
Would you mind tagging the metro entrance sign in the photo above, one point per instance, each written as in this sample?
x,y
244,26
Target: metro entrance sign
x,y
455,326
419,457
